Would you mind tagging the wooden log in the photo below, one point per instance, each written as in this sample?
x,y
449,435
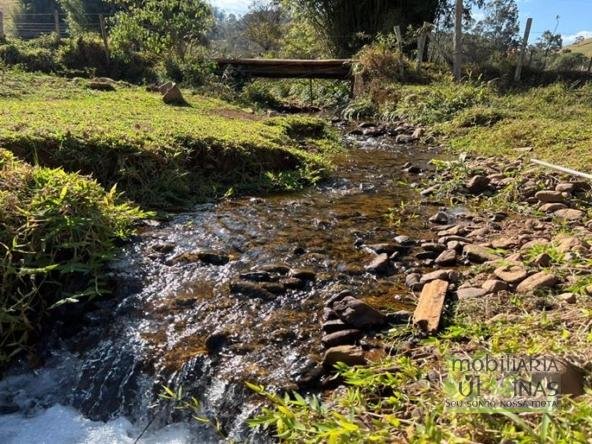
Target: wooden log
x,y
340,69
430,306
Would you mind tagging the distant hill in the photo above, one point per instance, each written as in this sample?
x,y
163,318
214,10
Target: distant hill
x,y
584,47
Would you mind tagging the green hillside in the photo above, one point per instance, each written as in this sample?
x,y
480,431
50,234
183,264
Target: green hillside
x,y
585,47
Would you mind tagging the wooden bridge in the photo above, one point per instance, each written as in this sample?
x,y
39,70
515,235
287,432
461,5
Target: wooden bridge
x,y
339,69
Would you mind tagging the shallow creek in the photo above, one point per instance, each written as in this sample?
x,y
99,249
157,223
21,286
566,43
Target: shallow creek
x,y
100,382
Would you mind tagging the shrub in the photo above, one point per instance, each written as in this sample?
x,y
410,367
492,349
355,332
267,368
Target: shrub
x,y
85,52
57,232
29,57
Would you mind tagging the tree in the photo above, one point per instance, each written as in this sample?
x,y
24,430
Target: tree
x,y
263,25
82,15
550,42
347,25
161,25
500,25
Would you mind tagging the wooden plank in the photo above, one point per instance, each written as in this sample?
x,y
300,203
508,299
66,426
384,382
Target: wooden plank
x,y
291,68
429,308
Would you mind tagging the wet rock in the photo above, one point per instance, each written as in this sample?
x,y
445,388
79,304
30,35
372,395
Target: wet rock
x,y
342,337
379,265
207,257
570,214
358,314
338,297
333,326
387,248
470,293
303,274
417,134
537,281
412,281
353,270
164,248
256,276
512,274
250,289
498,217
273,287
548,196
552,207
348,354
433,247
568,298
478,184
374,132
275,268
445,239
298,251
329,315
448,257
293,283
216,341
412,169
565,187
426,255
494,286
8,408
479,254
440,218
443,275
399,318
405,241
403,139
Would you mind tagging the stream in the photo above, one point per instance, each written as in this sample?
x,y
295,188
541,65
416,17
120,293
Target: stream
x,y
176,321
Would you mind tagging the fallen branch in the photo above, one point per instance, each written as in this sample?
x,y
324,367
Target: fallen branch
x,y
562,169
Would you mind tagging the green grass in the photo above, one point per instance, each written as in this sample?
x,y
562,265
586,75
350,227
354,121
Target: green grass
x,y
584,47
552,120
57,230
159,155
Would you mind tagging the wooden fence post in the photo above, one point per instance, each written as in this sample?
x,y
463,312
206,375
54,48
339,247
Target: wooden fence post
x,y
399,36
459,9
421,43
2,35
104,35
523,50
56,21
590,65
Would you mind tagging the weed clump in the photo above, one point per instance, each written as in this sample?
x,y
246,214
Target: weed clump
x,y
57,230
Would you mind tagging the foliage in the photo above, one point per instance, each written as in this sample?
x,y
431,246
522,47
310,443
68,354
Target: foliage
x,y
569,61
501,24
264,26
160,26
57,231
157,154
348,26
550,41
83,15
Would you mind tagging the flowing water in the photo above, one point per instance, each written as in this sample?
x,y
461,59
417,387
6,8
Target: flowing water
x,y
102,374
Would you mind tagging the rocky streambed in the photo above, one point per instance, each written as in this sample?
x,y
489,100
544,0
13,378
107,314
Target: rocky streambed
x,y
276,290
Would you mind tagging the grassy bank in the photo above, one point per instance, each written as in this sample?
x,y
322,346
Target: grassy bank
x,y
475,117
159,155
57,230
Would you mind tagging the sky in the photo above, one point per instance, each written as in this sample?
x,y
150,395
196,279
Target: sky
x,y
575,16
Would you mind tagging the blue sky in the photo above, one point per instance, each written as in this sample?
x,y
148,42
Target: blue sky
x,y
575,15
